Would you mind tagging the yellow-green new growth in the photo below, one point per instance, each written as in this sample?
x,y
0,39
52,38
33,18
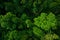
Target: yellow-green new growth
x,y
45,21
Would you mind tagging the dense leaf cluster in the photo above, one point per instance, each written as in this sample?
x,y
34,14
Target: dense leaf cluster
x,y
45,22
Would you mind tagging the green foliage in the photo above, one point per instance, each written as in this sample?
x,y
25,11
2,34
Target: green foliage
x,y
53,4
58,18
58,1
9,21
15,35
24,17
45,22
8,6
23,1
0,18
29,23
51,37
11,35
38,32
